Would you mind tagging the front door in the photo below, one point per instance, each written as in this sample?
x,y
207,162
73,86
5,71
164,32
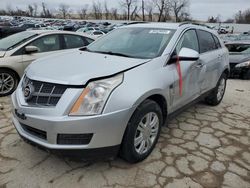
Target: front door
x,y
191,72
46,45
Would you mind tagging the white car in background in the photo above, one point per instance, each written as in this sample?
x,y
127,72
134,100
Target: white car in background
x,y
95,34
19,50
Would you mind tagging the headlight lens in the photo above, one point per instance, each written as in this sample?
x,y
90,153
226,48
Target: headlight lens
x,y
245,64
94,96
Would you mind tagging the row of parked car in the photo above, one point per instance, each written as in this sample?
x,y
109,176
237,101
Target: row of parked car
x,y
11,25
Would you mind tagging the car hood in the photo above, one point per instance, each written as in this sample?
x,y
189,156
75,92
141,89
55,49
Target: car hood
x,y
78,67
235,59
2,53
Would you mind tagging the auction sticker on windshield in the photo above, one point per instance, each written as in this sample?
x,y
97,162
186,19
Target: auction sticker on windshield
x,y
164,32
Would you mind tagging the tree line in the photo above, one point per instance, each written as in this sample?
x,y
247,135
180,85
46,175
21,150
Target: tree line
x,y
141,10
242,17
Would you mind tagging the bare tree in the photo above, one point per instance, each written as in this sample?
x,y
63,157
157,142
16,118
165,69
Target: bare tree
x,y
161,5
178,7
35,9
149,11
64,10
30,10
134,13
106,9
83,12
45,11
114,13
143,10
97,10
128,4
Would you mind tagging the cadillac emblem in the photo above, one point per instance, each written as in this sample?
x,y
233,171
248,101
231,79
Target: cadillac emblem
x,y
28,92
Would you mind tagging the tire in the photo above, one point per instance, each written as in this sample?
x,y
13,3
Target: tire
x,y
131,152
216,96
8,82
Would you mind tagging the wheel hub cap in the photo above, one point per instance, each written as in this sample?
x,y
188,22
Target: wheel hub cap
x,y
146,133
221,89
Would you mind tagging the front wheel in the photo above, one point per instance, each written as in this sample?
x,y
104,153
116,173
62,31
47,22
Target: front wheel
x,y
216,96
142,132
8,82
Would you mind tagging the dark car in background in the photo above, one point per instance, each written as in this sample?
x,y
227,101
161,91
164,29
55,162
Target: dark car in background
x,y
239,59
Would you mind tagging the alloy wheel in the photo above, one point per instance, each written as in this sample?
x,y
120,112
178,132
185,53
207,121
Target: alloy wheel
x,y
7,83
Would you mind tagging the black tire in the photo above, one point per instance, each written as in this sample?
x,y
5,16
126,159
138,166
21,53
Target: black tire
x,y
212,98
128,151
12,87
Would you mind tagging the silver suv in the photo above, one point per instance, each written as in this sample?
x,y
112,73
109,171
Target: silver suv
x,y
116,94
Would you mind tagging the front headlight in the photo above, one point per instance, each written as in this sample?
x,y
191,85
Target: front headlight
x,y
94,96
245,64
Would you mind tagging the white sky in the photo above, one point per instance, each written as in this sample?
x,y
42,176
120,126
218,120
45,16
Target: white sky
x,y
199,9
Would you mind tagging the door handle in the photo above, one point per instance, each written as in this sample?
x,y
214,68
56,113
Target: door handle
x,y
199,65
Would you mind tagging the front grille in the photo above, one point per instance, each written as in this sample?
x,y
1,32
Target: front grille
x,y
74,139
35,132
44,94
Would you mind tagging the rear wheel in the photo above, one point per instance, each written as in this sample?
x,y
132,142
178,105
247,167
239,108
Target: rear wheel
x,y
8,82
216,96
142,132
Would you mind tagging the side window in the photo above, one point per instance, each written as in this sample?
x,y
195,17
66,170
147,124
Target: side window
x,y
188,40
74,41
206,41
217,42
47,43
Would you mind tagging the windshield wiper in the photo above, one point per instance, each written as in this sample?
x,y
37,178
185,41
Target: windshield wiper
x,y
113,53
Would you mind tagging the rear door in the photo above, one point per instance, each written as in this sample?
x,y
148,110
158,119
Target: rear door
x,y
210,55
75,41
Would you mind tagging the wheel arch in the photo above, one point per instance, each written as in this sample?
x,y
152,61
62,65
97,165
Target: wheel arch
x,y
9,69
157,97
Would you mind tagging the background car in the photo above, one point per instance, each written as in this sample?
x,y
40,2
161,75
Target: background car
x,y
19,50
239,53
95,34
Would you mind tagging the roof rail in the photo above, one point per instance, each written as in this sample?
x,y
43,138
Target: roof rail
x,y
194,23
136,22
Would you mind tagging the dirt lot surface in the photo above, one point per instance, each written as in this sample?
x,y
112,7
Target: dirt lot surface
x,y
202,147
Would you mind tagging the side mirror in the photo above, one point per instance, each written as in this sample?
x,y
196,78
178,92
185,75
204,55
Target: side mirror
x,y
186,54
31,49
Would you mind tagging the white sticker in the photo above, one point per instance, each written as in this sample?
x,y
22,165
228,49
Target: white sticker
x,y
163,32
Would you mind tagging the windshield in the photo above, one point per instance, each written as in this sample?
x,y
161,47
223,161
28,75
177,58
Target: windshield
x,y
15,40
145,43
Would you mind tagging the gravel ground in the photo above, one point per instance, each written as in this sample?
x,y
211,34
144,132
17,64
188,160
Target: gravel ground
x,y
202,147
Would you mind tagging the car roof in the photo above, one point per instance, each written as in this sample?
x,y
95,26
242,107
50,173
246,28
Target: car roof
x,y
156,25
45,32
174,26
